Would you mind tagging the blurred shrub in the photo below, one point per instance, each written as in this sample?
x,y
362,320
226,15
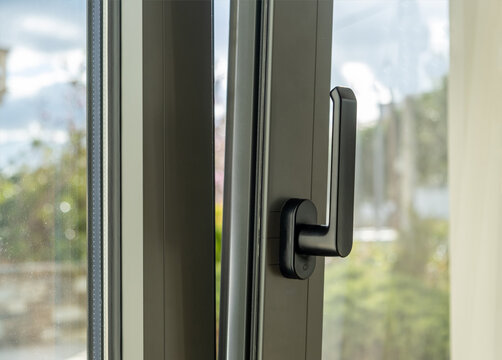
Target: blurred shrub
x,y
43,204
383,305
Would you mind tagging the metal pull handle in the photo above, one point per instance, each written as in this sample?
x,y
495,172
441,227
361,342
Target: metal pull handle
x,y
301,237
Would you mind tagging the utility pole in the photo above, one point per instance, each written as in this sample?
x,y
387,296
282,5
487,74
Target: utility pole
x,y
410,45
3,73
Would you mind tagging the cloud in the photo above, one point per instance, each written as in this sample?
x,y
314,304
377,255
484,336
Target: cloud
x,y
29,70
369,91
404,43
49,25
439,35
33,131
54,28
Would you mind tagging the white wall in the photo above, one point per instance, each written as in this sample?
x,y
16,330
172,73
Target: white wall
x,y
475,173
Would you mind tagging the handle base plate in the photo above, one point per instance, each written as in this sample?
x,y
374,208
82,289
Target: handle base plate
x,y
295,212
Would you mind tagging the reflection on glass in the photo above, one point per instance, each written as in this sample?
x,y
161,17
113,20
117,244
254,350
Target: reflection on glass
x,y
221,31
390,298
43,247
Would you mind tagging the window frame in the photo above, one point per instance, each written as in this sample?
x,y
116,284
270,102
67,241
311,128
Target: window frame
x,y
168,278
112,179
104,179
283,316
94,179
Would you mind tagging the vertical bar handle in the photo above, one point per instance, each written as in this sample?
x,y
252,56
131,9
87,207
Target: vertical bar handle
x,y
301,237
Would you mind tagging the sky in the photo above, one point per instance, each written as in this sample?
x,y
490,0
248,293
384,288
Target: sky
x,y
46,41
383,49
387,49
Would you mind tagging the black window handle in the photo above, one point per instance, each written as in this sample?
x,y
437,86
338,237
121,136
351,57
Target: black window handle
x,y
302,239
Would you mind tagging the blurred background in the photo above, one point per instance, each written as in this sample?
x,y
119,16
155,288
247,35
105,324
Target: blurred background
x,y
43,246
388,300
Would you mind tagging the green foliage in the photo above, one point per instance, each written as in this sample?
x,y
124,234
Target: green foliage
x,y
375,310
431,133
218,229
422,252
43,206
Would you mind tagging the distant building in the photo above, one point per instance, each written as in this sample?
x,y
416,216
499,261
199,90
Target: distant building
x,y
3,73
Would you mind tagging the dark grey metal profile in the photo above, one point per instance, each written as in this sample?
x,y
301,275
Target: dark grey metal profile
x,y
113,142
291,108
178,181
94,179
236,335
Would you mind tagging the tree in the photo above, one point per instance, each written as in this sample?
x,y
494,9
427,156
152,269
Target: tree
x,y
43,206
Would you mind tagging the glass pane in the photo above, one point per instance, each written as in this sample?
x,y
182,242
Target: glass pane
x,y
221,32
390,298
43,247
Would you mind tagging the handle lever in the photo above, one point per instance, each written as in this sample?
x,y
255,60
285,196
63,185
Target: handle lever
x,y
301,237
